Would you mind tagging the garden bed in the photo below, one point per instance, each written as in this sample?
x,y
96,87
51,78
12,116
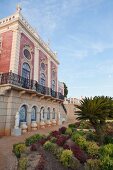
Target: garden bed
x,y
65,149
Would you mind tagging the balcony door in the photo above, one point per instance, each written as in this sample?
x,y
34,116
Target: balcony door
x,y
26,71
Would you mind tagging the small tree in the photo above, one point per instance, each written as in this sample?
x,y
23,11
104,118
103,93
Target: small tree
x,y
97,110
65,90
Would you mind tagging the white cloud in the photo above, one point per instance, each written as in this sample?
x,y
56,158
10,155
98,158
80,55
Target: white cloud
x,y
49,14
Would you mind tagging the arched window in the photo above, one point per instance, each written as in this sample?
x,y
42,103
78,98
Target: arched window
x,y
42,66
33,114
42,79
53,85
23,114
53,115
27,54
26,71
48,113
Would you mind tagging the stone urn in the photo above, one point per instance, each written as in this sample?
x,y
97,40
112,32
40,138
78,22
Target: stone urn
x,y
42,124
23,126
54,122
33,125
49,123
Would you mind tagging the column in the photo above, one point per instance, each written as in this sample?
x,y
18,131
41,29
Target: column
x,y
15,50
38,119
36,63
45,116
49,73
28,120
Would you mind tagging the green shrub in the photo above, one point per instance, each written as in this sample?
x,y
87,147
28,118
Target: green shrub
x,y
84,125
74,163
48,146
57,151
106,163
92,148
68,131
72,125
22,164
106,150
75,135
108,139
80,140
53,139
66,157
18,149
91,136
33,139
93,164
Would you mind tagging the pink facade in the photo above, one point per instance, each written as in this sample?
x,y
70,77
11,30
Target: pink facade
x,y
26,43
43,69
5,55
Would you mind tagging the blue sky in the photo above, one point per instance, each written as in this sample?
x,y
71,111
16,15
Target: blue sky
x,y
81,32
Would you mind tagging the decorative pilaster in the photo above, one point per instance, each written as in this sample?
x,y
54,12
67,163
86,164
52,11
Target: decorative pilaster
x,y
29,120
49,73
15,51
36,63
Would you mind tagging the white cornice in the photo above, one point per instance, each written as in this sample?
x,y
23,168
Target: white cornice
x,y
17,17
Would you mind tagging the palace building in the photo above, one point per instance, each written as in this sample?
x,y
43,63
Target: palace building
x,y
31,97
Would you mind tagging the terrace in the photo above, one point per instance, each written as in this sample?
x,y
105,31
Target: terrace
x,y
23,83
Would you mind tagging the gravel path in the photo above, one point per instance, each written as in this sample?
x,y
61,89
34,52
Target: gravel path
x,y
7,159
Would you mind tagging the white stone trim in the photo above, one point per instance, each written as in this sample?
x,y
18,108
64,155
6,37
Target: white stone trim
x,y
14,61
36,64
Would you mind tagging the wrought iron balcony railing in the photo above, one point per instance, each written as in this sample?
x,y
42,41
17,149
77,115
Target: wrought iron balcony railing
x,y
14,79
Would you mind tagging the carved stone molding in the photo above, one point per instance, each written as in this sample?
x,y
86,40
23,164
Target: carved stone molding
x,y
3,90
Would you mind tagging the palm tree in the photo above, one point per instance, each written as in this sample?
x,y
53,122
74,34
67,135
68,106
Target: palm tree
x,y
97,110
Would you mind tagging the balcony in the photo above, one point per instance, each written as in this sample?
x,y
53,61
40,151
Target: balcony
x,y
14,79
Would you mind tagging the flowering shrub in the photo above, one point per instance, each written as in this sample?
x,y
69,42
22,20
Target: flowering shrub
x,y
55,133
61,140
79,154
66,157
66,146
62,130
33,147
42,141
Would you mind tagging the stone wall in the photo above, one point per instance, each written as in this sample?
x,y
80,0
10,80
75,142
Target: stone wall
x,y
11,103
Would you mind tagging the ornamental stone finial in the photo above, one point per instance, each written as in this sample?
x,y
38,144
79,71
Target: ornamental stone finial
x,y
18,8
